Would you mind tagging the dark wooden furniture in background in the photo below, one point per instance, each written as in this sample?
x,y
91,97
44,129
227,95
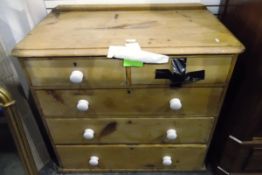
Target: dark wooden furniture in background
x,y
237,145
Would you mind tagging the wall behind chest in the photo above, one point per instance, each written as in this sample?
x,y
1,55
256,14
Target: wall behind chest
x,y
212,5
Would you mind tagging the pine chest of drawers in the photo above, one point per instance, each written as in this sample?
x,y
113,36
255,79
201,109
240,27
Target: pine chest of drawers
x,y
102,116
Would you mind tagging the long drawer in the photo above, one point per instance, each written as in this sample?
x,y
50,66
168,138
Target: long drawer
x,y
100,72
123,102
130,131
132,158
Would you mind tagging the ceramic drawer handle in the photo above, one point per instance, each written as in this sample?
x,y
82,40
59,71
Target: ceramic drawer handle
x,y
89,134
171,134
175,104
82,105
167,161
94,160
76,76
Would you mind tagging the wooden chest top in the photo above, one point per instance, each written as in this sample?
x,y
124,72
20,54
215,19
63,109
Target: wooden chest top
x,y
167,29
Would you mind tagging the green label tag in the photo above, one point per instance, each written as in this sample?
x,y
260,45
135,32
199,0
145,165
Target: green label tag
x,y
132,63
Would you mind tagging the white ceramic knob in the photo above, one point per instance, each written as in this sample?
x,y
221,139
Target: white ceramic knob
x,y
171,134
82,105
89,134
175,104
167,160
76,76
94,160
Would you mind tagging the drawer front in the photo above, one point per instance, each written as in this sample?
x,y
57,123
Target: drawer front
x,y
254,160
97,72
216,70
122,102
125,130
134,158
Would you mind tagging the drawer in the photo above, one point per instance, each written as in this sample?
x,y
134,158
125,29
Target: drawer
x,y
126,130
133,158
97,72
123,102
253,162
216,70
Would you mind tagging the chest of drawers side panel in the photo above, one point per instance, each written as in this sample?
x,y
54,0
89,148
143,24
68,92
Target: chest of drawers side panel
x,y
34,102
232,66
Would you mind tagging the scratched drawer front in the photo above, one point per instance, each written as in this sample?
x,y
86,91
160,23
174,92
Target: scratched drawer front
x,y
97,72
134,158
126,130
121,102
216,70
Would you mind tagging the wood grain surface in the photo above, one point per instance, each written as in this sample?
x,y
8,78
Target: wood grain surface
x,y
134,158
130,130
132,103
98,73
166,31
216,70
128,108
101,72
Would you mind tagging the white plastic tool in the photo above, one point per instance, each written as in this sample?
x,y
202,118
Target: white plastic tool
x,y
82,105
133,51
89,134
171,134
175,104
76,76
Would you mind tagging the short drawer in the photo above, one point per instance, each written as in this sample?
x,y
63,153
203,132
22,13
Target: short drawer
x,y
132,158
97,72
130,130
124,102
216,68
